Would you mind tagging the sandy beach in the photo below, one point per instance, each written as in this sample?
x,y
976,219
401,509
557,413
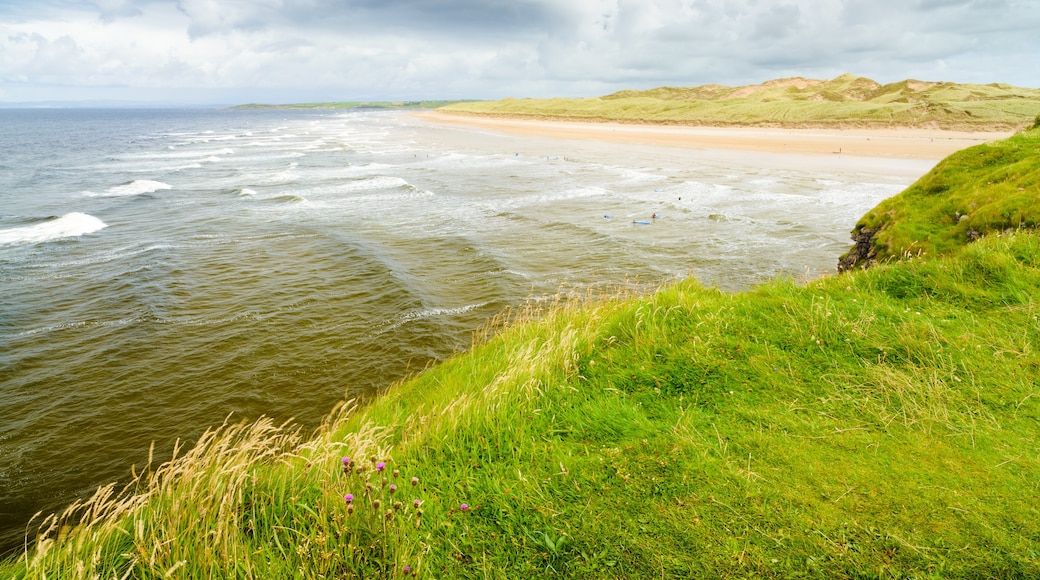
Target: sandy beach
x,y
921,144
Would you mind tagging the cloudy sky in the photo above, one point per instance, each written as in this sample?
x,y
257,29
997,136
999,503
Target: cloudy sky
x,y
278,51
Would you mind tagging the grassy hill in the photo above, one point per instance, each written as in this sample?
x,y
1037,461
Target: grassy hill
x,y
981,190
882,423
846,101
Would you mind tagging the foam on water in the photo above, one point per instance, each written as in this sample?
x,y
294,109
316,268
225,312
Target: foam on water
x,y
424,313
374,183
136,187
178,155
288,175
70,225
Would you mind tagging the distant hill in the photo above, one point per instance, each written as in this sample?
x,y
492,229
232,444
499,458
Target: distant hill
x,y
352,105
845,101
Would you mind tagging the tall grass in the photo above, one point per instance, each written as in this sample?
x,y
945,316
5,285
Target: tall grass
x,y
876,424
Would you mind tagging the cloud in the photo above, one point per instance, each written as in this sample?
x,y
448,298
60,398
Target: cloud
x,y
341,49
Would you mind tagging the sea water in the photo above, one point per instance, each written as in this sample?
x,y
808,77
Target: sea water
x,y
162,270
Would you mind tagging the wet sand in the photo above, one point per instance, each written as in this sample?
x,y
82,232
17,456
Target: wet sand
x,y
897,143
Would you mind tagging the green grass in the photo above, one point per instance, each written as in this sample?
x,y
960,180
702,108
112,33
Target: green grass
x,y
981,190
882,423
846,101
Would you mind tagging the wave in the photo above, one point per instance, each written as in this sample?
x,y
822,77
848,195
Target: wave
x,y
550,199
289,198
70,225
422,314
371,183
136,187
178,155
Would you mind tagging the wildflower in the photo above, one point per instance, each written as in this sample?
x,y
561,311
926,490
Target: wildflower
x,y
397,472
345,461
397,506
389,514
417,503
376,503
368,488
407,569
349,497
415,481
393,488
350,508
381,466
464,507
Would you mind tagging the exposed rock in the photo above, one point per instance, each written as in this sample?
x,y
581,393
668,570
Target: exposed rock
x,y
863,254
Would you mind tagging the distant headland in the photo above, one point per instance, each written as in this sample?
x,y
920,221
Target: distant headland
x,y
393,105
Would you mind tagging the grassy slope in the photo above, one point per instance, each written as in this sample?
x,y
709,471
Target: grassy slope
x,y
844,101
883,423
983,189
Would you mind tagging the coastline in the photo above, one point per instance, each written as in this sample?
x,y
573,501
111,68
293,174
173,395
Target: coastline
x,y
894,143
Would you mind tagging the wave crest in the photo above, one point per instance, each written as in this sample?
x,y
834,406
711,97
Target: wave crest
x,y
136,187
70,225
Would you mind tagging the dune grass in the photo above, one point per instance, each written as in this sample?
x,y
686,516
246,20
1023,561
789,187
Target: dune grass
x,y
883,423
846,101
984,189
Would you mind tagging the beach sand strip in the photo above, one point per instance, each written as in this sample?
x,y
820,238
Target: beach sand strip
x,y
897,143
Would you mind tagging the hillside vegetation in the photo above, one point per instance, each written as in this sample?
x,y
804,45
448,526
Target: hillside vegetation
x,y
981,190
882,423
846,101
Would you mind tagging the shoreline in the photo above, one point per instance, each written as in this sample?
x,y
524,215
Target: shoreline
x,y
895,143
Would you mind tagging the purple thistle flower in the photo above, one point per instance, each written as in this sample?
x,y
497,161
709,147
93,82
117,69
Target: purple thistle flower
x,y
417,503
393,488
415,481
349,497
345,461
381,466
406,569
464,507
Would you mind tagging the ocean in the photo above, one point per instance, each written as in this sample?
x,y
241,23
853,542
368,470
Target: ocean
x,y
163,270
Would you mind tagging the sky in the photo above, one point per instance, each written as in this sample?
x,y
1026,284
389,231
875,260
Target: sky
x,y
220,52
